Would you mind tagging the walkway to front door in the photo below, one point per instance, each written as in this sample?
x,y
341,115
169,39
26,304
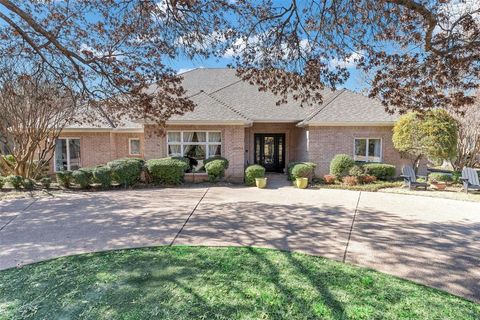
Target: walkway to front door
x,y
270,151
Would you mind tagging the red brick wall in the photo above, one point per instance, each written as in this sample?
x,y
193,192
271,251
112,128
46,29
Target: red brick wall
x,y
232,145
326,142
100,147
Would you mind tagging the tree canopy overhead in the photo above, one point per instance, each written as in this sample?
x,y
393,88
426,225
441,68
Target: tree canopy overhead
x,y
418,54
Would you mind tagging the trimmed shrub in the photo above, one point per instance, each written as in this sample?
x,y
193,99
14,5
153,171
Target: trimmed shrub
x,y
252,172
350,180
291,165
301,170
14,181
82,178
126,171
224,160
382,171
329,179
2,182
28,184
167,170
440,177
356,171
46,182
216,169
341,164
64,178
103,175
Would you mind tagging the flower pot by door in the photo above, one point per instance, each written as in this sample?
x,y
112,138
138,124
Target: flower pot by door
x,y
301,183
261,182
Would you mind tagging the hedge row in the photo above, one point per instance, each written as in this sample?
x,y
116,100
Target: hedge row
x,y
128,171
343,165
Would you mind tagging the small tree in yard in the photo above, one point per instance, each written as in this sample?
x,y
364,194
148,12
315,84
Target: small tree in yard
x,y
432,135
33,111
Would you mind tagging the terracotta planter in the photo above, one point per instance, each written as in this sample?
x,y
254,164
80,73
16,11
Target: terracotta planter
x,y
301,183
261,183
439,185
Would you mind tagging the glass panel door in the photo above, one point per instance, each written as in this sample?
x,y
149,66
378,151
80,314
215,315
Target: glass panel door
x,y
61,162
270,151
74,153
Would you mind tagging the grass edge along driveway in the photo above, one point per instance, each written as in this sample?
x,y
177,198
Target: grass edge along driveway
x,y
184,282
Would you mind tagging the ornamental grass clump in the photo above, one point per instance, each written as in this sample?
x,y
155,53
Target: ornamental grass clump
x,y
14,181
46,182
28,184
64,178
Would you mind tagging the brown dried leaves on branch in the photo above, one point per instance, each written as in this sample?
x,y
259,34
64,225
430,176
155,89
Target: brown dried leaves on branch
x,y
417,54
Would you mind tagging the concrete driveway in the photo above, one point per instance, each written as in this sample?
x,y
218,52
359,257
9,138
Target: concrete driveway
x,y
431,241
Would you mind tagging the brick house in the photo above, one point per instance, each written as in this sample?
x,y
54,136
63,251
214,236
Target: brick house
x,y
235,120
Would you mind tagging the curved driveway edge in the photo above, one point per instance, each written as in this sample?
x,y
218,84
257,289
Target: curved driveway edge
x,y
431,241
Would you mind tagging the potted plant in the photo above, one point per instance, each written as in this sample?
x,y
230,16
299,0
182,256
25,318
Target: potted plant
x,y
440,180
261,183
301,182
301,172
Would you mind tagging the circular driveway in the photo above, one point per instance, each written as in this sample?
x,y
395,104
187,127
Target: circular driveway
x,y
428,240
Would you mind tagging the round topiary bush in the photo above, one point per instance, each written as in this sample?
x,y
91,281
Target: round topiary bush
x,y
216,169
14,181
28,184
301,170
225,161
252,172
341,164
64,178
167,171
382,171
82,178
46,182
103,175
291,165
126,171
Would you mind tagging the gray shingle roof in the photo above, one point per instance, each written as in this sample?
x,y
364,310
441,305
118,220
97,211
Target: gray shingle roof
x,y
260,105
221,96
209,109
341,106
347,107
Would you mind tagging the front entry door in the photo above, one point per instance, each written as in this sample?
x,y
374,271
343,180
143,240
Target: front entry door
x,y
270,151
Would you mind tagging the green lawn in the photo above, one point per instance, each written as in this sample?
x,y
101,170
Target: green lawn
x,y
216,283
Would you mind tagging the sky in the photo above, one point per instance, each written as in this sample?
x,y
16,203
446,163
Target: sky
x,y
183,64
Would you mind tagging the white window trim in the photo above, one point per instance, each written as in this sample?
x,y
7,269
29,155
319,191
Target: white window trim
x,y
68,153
206,143
369,138
130,147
